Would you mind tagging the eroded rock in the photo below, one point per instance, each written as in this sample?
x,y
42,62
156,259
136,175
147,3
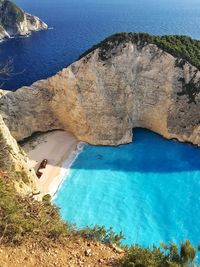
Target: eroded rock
x,y
100,99
14,21
14,162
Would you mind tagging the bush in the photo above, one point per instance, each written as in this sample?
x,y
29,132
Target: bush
x,y
23,216
163,256
187,252
101,234
47,199
15,13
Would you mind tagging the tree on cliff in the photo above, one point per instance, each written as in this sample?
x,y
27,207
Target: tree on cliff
x,y
6,70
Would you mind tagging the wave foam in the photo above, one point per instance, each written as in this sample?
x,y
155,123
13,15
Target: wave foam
x,y
65,169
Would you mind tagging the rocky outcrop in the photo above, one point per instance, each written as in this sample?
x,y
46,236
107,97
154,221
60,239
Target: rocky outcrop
x,y
107,93
14,21
15,163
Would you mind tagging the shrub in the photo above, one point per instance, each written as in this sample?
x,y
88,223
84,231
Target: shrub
x,y
10,13
163,256
187,252
22,216
47,199
101,234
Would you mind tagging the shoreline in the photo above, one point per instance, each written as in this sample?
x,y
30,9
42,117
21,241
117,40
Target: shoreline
x,y
7,38
64,170
61,149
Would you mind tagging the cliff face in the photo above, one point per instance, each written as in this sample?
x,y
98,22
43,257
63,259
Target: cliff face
x,y
14,21
107,93
14,162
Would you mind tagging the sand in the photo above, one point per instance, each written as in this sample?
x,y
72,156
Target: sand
x,y
60,149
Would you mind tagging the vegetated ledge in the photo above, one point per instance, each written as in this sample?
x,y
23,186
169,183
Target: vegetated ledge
x,y
179,46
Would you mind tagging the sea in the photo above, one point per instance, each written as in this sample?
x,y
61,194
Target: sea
x,y
76,25
150,189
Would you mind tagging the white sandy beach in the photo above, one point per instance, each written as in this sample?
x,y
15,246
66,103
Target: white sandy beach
x,y
57,147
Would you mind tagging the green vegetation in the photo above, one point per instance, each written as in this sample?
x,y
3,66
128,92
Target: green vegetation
x,y
1,28
99,233
16,13
24,217
163,256
10,13
24,177
181,47
46,198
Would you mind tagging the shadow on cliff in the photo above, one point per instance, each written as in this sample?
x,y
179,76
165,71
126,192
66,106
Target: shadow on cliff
x,y
149,152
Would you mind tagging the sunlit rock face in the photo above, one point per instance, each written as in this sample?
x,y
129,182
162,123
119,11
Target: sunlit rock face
x,y
14,21
106,94
15,163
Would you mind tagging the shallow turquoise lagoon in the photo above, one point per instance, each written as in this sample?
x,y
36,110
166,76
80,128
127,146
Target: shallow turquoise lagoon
x,y
149,190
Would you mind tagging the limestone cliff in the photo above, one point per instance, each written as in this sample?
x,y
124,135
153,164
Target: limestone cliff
x,y
107,93
14,162
14,21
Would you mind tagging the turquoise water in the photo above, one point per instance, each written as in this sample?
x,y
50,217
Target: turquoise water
x,y
149,189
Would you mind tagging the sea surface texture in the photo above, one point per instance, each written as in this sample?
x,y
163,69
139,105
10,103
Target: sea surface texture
x,y
149,190
78,24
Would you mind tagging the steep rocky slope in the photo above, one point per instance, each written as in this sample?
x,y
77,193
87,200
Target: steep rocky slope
x,y
14,162
33,234
116,87
14,21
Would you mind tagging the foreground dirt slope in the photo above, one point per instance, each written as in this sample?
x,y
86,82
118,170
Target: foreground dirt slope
x,y
75,252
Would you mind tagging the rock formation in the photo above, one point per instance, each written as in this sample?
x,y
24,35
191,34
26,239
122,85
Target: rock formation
x,y
14,21
15,163
107,93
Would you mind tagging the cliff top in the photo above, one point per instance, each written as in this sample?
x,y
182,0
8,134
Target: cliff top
x,y
10,11
179,46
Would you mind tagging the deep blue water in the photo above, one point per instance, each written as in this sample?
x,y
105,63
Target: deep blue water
x,y
149,190
78,24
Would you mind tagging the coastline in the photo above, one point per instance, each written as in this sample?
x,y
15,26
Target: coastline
x,y
64,170
60,149
7,38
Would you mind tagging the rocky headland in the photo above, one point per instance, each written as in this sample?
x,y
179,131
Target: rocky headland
x,y
129,80
16,22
